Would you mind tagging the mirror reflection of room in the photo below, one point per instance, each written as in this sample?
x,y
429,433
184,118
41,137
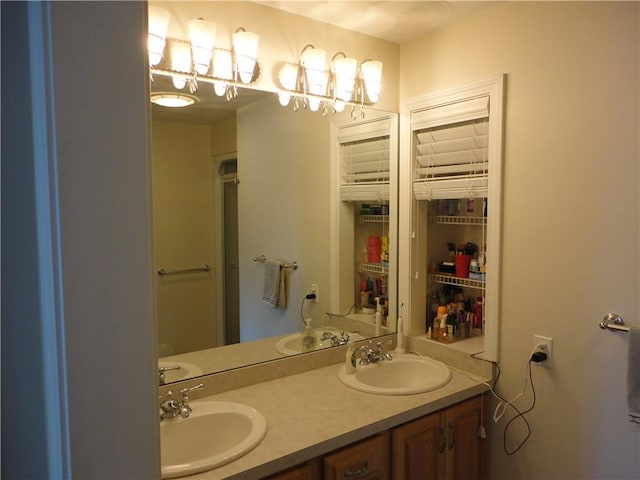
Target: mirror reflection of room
x,y
237,189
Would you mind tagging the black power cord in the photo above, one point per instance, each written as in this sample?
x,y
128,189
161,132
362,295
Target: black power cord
x,y
521,415
536,357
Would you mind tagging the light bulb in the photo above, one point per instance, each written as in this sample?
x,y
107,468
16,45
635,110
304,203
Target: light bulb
x,y
313,61
202,34
344,70
314,104
158,24
180,62
245,47
284,99
219,88
372,77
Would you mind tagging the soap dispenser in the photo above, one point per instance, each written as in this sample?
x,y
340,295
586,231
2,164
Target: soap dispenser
x,y
309,338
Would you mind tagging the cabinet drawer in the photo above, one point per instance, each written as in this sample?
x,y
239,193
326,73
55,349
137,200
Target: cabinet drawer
x,y
368,459
307,471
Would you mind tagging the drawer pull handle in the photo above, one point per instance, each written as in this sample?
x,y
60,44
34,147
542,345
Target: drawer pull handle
x,y
452,438
357,473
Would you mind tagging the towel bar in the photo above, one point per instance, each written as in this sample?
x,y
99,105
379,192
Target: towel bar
x,y
263,259
204,268
613,321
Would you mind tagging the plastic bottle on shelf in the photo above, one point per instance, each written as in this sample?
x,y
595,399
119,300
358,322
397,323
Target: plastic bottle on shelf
x,y
478,313
440,323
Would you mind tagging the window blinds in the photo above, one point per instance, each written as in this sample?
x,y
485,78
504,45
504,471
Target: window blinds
x,y
451,150
365,163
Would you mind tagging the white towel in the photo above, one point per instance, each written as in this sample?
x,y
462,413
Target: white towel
x,y
633,374
275,290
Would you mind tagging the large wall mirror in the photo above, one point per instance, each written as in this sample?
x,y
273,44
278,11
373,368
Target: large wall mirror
x,y
240,184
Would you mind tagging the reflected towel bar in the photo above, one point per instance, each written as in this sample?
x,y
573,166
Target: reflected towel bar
x,y
204,268
263,259
613,321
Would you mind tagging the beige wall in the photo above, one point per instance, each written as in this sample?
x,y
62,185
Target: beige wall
x,y
570,217
100,176
183,233
283,198
224,137
282,38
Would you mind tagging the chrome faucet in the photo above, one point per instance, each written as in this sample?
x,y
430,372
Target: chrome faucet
x,y
335,341
161,370
170,408
369,354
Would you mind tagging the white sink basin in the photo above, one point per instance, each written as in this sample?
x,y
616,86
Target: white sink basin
x,y
403,375
292,344
214,434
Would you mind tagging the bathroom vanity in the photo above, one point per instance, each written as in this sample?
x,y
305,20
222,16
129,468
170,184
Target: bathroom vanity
x,y
318,428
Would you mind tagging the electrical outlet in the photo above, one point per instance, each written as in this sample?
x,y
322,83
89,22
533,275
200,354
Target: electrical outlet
x,y
314,289
545,345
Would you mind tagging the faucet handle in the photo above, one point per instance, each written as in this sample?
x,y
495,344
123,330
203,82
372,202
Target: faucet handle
x,y
172,367
186,391
185,409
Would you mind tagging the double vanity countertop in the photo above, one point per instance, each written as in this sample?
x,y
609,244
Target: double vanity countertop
x,y
312,413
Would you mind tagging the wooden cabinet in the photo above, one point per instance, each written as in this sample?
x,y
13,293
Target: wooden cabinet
x,y
306,471
368,459
443,445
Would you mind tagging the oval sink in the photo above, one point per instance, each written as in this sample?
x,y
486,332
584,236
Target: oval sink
x,y
292,344
186,370
214,434
403,375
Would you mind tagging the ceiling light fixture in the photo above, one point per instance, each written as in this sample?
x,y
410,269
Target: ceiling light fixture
x,y
173,100
188,66
311,84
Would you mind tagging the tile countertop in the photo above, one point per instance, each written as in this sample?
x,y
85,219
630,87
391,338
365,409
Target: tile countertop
x,y
312,413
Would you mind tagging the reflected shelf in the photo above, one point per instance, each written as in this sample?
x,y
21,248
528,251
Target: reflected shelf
x,y
460,220
462,282
372,268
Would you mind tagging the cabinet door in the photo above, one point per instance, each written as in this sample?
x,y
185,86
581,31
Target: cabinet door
x,y
368,460
465,448
418,448
307,471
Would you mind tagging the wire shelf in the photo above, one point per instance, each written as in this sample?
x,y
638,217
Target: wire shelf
x,y
374,218
462,282
460,220
372,268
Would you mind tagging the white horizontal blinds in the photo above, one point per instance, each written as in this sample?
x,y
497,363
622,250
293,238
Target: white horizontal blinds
x,y
451,150
365,162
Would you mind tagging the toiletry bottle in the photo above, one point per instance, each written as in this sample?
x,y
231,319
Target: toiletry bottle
x,y
440,324
309,338
378,318
350,360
